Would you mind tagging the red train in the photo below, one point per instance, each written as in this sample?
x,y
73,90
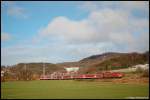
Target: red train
x,y
63,76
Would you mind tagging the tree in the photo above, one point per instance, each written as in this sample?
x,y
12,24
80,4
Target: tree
x,y
24,75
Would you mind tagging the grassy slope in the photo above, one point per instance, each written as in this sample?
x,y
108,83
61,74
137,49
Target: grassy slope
x,y
71,89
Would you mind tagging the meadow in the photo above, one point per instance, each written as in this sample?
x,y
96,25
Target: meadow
x,y
70,89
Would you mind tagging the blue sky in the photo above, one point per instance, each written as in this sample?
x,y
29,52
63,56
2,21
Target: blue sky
x,y
69,31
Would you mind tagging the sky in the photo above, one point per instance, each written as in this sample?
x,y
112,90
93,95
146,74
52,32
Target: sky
x,y
66,31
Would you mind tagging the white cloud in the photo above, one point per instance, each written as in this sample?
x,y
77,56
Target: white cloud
x,y
5,37
63,27
126,6
103,30
17,12
99,27
50,53
139,5
14,10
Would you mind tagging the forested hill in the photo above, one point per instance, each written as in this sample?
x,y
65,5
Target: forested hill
x,y
91,64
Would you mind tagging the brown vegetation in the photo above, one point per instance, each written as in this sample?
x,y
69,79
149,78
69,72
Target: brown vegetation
x,y
93,64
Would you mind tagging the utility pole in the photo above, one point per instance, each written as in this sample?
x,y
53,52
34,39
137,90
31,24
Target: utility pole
x,y
43,69
109,67
25,68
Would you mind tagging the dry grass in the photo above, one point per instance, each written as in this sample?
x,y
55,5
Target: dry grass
x,y
129,79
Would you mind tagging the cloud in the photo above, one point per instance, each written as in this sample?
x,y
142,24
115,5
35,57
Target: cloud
x,y
101,26
17,12
50,53
138,5
5,37
14,10
109,27
67,29
126,6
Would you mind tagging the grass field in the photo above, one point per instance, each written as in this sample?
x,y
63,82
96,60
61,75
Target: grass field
x,y
64,89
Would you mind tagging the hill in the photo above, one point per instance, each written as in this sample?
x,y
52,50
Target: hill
x,y
92,64
29,71
114,61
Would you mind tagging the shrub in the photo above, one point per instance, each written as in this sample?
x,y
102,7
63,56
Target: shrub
x,y
145,73
139,70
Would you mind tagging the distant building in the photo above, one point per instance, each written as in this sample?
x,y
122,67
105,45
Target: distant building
x,y
72,69
2,73
69,72
144,67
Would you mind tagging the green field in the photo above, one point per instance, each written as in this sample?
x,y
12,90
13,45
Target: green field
x,y
63,89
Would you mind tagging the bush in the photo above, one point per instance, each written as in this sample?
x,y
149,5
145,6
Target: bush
x,y
145,73
139,70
